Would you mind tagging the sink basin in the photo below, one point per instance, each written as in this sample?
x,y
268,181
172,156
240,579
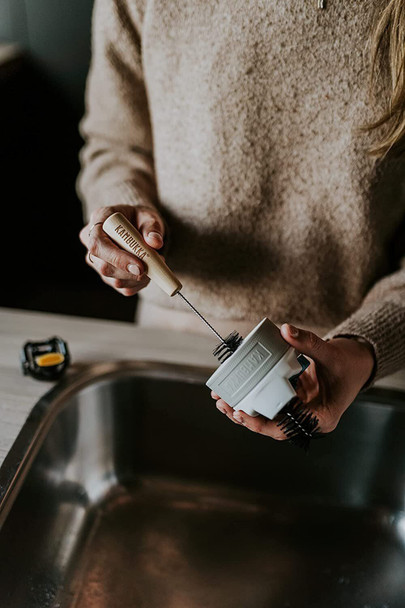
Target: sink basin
x,y
127,489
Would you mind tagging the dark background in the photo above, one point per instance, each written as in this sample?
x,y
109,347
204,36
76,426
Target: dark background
x,y
41,103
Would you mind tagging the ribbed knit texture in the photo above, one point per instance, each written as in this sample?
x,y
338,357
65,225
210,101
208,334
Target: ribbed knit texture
x,y
239,120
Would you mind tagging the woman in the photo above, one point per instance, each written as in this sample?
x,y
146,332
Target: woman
x,y
239,124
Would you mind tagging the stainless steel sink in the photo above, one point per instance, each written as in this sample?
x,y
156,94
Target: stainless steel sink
x,y
127,489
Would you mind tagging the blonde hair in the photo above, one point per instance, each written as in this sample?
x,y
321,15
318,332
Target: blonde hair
x,y
388,78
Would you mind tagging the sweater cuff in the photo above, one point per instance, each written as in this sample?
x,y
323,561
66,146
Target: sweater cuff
x,y
382,324
126,193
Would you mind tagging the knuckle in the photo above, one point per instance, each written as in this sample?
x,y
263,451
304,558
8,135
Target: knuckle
x,y
93,245
114,260
312,339
119,261
118,283
105,269
82,235
257,426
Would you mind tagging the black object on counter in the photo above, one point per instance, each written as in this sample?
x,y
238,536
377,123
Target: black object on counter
x,y
45,360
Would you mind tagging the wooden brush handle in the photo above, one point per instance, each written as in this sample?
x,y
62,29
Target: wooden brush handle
x,y
122,232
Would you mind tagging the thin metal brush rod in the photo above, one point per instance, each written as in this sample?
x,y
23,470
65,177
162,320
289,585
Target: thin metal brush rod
x,y
201,317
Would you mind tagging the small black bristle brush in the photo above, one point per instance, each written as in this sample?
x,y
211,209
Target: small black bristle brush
x,y
298,423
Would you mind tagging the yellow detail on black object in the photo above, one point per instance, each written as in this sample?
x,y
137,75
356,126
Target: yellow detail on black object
x,y
45,360
49,359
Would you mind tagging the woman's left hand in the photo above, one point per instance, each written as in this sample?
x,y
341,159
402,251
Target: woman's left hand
x,y
339,369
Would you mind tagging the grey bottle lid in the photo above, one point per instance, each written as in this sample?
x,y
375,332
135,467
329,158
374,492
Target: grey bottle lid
x,y
255,357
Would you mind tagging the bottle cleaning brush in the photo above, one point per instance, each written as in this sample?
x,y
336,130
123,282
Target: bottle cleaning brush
x,y
122,232
257,374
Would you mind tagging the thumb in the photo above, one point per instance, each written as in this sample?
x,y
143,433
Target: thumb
x,y
152,229
306,342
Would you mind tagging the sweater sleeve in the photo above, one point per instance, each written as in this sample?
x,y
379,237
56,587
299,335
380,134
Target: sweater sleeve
x,y
117,159
381,320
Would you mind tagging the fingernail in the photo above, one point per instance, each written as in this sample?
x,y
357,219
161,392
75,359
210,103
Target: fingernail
x,y
238,416
294,332
221,409
134,269
155,235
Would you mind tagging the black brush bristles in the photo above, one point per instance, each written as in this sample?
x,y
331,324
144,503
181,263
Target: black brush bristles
x,y
298,423
224,350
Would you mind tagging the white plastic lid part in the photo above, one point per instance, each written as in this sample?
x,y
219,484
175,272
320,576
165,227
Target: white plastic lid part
x,y
250,363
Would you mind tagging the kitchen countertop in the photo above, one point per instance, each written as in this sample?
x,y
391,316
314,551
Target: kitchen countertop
x,y
90,340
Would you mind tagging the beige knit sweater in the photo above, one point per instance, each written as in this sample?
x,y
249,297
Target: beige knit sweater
x,y
238,120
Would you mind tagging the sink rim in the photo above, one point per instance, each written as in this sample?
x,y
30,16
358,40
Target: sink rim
x,y
19,459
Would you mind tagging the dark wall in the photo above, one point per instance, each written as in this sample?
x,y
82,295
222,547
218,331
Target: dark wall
x,y
41,103
56,34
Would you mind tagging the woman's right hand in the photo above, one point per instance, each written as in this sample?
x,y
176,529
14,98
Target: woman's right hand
x,y
117,268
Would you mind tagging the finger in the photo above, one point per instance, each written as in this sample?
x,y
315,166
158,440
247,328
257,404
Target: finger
x,y
226,409
95,223
214,395
308,386
151,226
223,407
84,235
101,246
260,424
306,342
102,213
107,270
125,288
